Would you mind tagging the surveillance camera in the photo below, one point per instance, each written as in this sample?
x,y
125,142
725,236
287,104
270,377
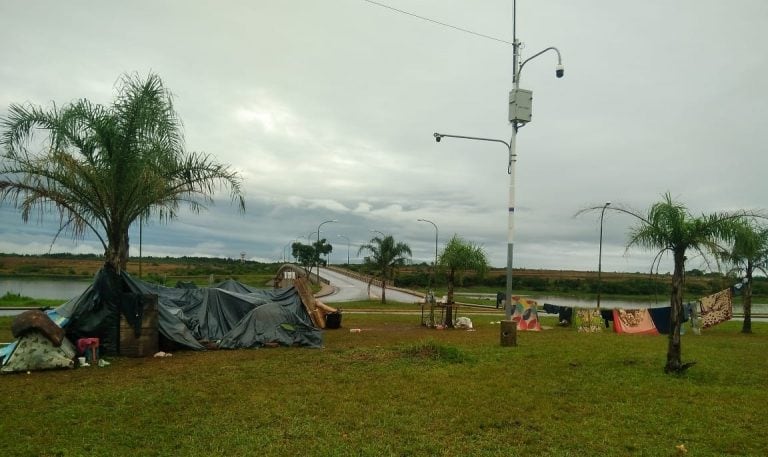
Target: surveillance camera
x,y
438,137
559,70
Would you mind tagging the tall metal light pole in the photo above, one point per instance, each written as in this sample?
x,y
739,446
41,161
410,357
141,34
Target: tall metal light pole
x,y
434,270
141,225
289,243
600,256
346,238
293,241
318,244
519,115
511,220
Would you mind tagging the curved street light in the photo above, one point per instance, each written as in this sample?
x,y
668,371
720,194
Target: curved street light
x,y
346,238
289,243
377,231
600,256
519,115
434,271
318,245
511,218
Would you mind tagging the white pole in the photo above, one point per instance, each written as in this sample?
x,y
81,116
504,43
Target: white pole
x,y
512,164
511,222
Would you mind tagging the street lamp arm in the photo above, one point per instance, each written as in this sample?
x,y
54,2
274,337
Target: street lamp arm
x,y
378,231
512,155
439,136
559,70
426,220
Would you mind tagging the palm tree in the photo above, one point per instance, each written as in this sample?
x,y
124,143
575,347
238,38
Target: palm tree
x,y
749,253
103,167
385,256
457,257
669,228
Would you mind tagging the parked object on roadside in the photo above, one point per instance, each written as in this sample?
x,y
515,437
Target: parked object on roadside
x,y
463,322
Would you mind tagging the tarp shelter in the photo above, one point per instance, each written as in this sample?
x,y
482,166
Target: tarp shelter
x,y
41,344
114,305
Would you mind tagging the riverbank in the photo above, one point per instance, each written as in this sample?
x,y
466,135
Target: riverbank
x,y
202,271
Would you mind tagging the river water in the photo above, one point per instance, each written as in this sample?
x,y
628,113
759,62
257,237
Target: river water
x,y
53,289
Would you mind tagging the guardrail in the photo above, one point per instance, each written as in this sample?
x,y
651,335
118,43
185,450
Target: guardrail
x,y
281,277
368,279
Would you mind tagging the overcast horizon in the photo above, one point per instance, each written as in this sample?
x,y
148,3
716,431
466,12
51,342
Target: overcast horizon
x,y
327,110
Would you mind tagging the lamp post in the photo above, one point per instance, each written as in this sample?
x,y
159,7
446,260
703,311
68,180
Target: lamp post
x,y
294,241
511,218
346,238
519,115
141,225
600,256
376,231
318,244
434,271
289,243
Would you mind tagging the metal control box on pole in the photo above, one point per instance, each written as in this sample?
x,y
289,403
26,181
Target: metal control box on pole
x,y
520,104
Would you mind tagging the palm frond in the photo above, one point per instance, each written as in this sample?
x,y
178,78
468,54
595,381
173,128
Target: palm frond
x,y
106,166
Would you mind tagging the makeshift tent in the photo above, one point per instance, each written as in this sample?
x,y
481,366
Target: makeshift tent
x,y
117,308
637,321
34,351
234,286
41,345
525,314
185,285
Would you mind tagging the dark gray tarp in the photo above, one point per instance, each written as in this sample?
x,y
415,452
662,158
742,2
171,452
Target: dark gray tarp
x,y
234,286
193,318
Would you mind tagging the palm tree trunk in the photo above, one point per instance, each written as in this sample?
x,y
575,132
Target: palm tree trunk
x,y
674,353
116,253
383,290
746,327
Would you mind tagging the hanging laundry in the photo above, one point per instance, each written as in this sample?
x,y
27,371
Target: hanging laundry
x,y
716,308
525,314
589,320
637,321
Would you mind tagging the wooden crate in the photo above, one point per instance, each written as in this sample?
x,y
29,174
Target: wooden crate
x,y
146,345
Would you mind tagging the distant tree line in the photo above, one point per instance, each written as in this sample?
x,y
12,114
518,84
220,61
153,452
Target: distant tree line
x,y
699,284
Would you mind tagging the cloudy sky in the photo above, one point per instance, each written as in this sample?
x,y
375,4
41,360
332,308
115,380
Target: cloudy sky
x,y
327,109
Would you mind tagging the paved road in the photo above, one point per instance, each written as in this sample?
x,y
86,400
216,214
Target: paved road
x,y
348,289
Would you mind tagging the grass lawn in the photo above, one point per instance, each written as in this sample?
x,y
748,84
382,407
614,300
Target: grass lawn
x,y
15,300
397,388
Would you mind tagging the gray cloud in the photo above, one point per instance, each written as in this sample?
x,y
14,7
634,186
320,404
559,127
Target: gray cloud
x,y
327,110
